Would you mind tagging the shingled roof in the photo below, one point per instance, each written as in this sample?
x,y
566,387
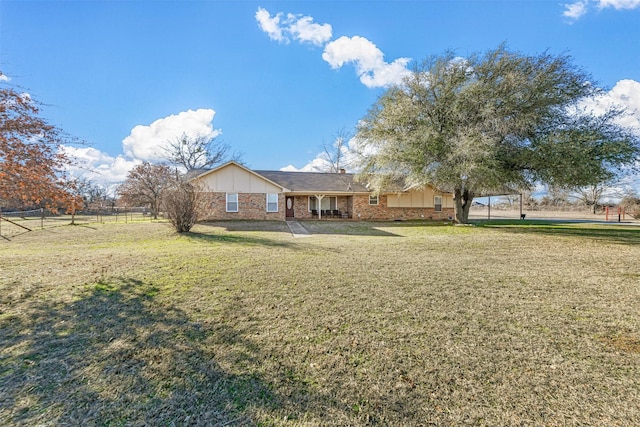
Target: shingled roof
x,y
315,182
299,182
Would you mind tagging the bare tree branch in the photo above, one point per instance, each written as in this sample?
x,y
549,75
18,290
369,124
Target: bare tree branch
x,y
336,153
198,152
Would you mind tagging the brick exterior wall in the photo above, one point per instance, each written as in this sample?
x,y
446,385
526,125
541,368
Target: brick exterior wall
x,y
250,206
364,211
301,207
253,206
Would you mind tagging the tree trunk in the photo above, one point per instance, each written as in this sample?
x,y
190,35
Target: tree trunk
x,y
463,199
155,207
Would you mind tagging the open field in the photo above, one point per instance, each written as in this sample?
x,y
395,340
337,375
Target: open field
x,y
238,323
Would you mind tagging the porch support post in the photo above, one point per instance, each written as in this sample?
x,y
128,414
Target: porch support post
x,y
319,198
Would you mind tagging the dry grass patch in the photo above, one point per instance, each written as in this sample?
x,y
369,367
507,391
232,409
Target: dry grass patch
x,y
628,344
362,324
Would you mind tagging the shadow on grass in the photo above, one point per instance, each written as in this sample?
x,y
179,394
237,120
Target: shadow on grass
x,y
9,231
117,356
606,233
352,228
318,227
238,239
247,225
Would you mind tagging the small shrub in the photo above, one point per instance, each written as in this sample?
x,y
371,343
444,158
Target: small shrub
x,y
184,205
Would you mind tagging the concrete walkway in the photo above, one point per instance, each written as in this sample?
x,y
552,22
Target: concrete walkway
x,y
297,230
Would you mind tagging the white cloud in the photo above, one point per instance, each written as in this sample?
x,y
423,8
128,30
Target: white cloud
x,y
575,10
4,77
579,8
368,60
352,49
316,165
619,4
304,29
299,27
143,144
270,25
146,142
626,94
97,166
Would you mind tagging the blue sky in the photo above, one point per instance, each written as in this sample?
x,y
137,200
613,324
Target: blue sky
x,y
275,80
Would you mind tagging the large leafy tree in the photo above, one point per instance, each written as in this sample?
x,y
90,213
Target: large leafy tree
x,y
145,185
31,162
494,122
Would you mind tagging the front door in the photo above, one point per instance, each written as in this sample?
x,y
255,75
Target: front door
x,y
289,206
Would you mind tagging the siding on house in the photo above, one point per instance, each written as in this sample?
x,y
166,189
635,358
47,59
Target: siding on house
x,y
419,199
232,178
362,210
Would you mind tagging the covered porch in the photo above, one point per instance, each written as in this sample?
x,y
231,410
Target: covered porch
x,y
319,206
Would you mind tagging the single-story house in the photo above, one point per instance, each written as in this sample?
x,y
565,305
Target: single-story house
x,y
237,192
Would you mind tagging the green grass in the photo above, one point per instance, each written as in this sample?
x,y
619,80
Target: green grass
x,y
602,232
239,323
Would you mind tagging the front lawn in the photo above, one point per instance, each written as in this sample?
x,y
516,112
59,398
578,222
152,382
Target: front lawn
x,y
239,323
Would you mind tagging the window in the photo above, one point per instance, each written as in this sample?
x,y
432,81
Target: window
x,y
437,203
373,199
272,202
232,202
328,202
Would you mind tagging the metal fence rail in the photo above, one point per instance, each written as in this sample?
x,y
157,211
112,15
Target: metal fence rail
x,y
13,223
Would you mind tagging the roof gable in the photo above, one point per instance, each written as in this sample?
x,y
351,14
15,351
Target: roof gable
x,y
233,177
